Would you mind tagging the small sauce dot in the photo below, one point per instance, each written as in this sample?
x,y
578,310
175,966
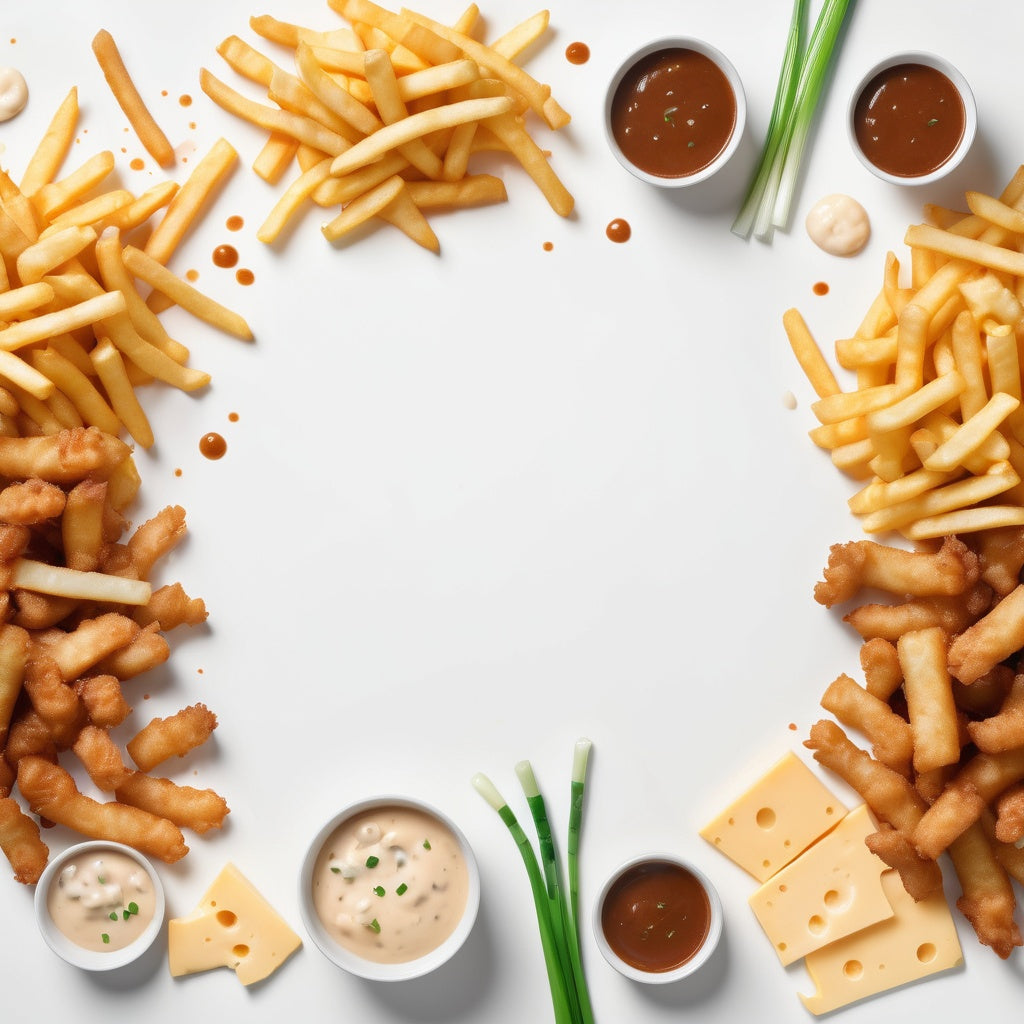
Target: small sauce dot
x,y
792,726
213,446
185,100
619,230
577,53
177,472
234,223
192,275
232,417
163,92
225,256
137,164
548,246
244,276
820,288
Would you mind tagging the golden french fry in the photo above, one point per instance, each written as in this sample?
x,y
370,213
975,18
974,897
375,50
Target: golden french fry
x,y
53,147
111,371
61,321
56,197
819,374
927,687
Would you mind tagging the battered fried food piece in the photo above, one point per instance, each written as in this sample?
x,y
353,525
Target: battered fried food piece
x,y
1005,729
890,795
974,787
891,621
197,809
147,545
56,703
101,758
28,502
103,699
21,842
36,611
862,564
987,901
173,736
29,736
93,640
880,663
84,525
62,458
51,792
145,651
1008,821
929,695
170,607
13,660
921,878
990,640
889,734
1002,557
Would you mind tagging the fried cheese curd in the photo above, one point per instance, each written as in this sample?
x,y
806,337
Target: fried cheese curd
x,y
79,619
933,740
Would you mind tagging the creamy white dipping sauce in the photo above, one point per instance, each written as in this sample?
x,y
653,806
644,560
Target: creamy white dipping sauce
x,y
13,93
102,900
839,225
390,884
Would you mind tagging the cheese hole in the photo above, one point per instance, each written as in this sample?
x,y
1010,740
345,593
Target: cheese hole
x,y
832,899
240,950
853,969
926,952
226,918
817,924
765,818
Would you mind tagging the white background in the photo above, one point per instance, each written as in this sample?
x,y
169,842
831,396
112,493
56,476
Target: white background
x,y
479,505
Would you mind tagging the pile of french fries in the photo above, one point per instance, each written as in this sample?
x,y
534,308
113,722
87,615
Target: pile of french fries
x,y
934,426
382,116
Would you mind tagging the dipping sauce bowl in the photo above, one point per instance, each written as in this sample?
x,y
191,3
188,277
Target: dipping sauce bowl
x,y
912,118
674,112
658,919
99,905
389,889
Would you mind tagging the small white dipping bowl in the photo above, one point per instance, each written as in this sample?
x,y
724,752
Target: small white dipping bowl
x,y
699,957
732,77
353,962
929,60
78,956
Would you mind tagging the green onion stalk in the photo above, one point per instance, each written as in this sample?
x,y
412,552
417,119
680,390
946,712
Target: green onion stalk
x,y
801,82
557,912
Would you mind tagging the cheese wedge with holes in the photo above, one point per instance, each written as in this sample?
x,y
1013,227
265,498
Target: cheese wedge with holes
x,y
776,819
831,890
234,927
917,941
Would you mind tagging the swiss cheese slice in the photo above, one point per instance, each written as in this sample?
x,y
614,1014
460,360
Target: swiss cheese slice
x,y
831,890
776,819
233,926
917,941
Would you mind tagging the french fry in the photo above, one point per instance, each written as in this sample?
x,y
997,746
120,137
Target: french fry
x,y
53,147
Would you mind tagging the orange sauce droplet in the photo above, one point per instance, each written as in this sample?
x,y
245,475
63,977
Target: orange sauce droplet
x,y
213,446
820,288
192,275
548,246
619,230
137,164
185,100
244,276
577,53
234,223
225,256
177,472
233,417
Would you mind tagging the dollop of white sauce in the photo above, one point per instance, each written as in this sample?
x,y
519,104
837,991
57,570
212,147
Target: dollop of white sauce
x,y
839,225
13,93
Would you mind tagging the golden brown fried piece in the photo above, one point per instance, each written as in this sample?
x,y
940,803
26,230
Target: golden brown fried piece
x,y
928,690
880,663
889,734
863,564
891,621
93,640
174,736
56,703
101,758
51,792
147,545
1008,821
990,640
13,660
1005,729
21,842
987,901
62,458
145,651
170,607
83,525
890,795
921,878
1002,557
197,809
29,736
29,502
103,699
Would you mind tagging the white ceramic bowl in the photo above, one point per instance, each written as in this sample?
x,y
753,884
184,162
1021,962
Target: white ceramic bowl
x,y
970,116
78,956
733,78
353,962
697,960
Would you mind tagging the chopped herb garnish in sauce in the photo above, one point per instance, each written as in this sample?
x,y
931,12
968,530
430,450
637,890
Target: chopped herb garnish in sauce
x,y
372,862
402,889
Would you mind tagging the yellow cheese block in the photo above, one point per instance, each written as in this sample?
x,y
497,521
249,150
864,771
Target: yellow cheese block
x,y
918,940
233,926
831,890
776,819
